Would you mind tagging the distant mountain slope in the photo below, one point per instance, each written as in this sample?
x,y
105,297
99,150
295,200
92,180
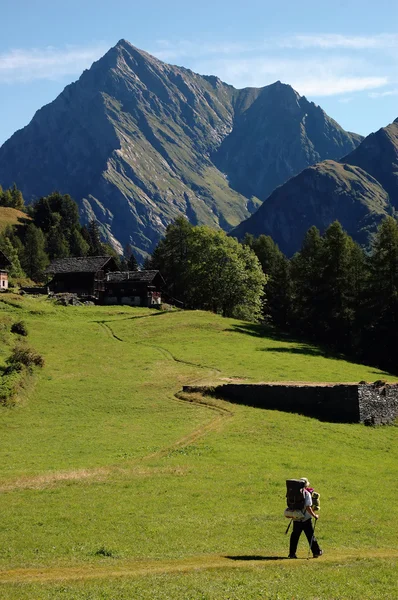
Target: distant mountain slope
x,y
318,196
275,137
358,191
138,142
378,155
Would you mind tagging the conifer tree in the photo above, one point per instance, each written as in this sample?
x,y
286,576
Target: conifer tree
x,y
35,258
381,329
6,246
275,265
306,272
17,198
96,247
337,313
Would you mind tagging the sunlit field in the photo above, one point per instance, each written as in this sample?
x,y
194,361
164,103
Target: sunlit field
x,y
112,485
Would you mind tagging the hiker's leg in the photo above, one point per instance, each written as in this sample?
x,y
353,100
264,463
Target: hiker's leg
x,y
309,532
295,536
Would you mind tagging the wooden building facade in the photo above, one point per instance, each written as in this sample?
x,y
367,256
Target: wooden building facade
x,y
95,277
5,264
83,276
135,288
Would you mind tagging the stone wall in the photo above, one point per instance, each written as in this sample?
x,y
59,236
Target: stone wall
x,y
378,403
341,403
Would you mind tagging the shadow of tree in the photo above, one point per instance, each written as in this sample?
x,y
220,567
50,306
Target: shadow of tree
x,y
264,331
303,349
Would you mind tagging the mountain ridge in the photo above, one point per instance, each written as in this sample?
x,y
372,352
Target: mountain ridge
x,y
137,142
359,190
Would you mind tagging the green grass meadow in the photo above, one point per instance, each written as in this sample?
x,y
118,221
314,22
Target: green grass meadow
x,y
113,485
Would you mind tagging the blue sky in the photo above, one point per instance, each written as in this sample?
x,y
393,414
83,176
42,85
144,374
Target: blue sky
x,y
342,55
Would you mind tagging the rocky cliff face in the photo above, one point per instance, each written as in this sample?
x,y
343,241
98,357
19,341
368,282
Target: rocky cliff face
x,y
275,137
138,142
358,191
378,156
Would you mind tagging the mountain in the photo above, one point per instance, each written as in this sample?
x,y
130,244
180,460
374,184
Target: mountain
x,y
274,137
378,156
137,142
359,190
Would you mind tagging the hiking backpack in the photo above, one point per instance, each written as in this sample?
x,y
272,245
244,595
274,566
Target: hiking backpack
x,y
295,499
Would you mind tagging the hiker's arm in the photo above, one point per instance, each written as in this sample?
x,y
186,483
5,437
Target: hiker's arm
x,y
309,510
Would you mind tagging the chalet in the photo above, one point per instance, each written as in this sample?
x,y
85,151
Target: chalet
x,y
84,276
136,288
5,264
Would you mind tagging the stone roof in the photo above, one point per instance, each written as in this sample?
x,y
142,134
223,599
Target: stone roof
x,y
136,276
82,264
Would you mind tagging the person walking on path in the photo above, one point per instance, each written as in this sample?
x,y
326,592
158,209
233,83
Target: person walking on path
x,y
305,524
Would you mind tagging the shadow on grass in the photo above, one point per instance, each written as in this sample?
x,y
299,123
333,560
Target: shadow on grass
x,y
258,330
307,350
256,557
301,347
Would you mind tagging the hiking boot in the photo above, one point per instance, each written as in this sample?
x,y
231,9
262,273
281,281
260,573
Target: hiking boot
x,y
292,556
318,554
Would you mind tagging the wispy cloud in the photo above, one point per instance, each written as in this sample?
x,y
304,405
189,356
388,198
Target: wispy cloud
x,y
332,86
309,76
384,94
315,65
337,41
48,63
167,50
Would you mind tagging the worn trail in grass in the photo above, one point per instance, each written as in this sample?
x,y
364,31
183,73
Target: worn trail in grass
x,y
138,568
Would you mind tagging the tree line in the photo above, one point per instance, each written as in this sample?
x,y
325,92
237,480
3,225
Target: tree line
x,y
330,292
335,293
52,230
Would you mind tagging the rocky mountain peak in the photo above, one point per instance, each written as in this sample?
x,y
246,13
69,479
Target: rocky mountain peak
x,y
138,142
378,155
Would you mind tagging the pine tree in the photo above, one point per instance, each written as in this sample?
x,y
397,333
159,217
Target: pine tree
x,y
170,257
35,259
337,309
129,259
77,244
306,274
96,247
381,328
275,265
6,246
6,199
132,263
17,198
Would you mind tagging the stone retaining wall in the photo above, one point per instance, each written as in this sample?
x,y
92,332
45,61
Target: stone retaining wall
x,y
369,403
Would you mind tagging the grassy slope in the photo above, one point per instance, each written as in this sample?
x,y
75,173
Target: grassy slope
x,y
101,458
10,216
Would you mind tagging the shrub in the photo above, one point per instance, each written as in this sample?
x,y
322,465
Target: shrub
x,y
11,382
20,328
24,355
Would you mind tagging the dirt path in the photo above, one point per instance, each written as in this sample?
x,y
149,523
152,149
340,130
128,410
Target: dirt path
x,y
136,467
139,568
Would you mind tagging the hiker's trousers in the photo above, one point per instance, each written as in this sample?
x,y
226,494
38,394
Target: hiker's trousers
x,y
298,527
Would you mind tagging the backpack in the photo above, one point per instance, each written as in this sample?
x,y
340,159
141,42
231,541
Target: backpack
x,y
295,499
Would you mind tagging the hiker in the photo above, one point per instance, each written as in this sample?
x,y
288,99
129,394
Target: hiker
x,y
305,524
